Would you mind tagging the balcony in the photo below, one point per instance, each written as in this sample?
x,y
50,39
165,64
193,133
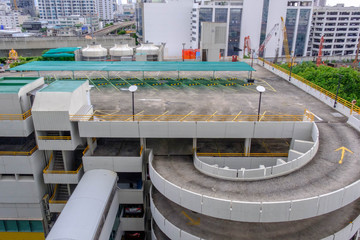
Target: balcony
x,y
16,125
52,140
55,171
132,221
60,197
118,155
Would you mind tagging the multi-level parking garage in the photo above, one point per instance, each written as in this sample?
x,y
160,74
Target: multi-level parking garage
x,y
219,170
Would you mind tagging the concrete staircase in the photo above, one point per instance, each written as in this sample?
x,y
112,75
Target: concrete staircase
x,y
62,192
58,161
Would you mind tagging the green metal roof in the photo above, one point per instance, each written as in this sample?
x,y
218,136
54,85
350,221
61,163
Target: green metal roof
x,y
133,66
63,86
14,84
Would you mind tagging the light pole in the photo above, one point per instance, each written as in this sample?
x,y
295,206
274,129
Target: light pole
x,y
252,64
337,91
183,52
260,89
291,66
133,89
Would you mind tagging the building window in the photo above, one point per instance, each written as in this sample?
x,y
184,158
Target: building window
x,y
221,15
205,15
264,20
234,30
290,23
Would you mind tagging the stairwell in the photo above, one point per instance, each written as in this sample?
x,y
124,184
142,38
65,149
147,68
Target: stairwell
x,y
58,161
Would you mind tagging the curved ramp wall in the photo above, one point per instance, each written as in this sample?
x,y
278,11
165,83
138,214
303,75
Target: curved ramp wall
x,y
280,211
260,173
174,232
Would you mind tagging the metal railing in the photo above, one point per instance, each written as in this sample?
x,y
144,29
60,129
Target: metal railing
x,y
47,171
189,118
13,117
141,149
331,95
85,150
54,137
52,201
242,154
14,153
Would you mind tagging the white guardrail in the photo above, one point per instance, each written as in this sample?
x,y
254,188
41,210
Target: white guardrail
x,y
280,211
174,232
260,173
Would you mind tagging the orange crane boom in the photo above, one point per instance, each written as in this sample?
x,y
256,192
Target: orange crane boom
x,y
285,42
318,60
356,61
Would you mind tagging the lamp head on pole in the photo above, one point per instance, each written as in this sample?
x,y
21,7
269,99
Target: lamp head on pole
x,y
133,88
260,89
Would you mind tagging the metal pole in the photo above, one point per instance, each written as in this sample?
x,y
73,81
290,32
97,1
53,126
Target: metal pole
x,y
213,75
133,107
259,107
291,66
252,62
183,52
337,91
108,75
143,75
264,57
73,75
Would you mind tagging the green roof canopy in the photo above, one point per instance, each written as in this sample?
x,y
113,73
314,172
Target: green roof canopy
x,y
63,86
133,66
61,52
14,84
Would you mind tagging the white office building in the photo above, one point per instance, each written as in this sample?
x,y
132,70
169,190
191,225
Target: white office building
x,y
105,9
254,18
340,27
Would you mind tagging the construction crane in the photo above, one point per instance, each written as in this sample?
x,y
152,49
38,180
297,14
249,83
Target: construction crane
x,y
318,60
285,42
247,45
356,61
267,39
15,5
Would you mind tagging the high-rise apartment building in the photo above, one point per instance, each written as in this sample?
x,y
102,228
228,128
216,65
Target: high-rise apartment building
x,y
254,18
340,27
55,9
25,6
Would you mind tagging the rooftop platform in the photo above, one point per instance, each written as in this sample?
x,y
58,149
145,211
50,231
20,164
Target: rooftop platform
x,y
14,84
213,228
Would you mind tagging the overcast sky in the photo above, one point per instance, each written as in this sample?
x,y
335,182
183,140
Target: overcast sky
x,y
347,3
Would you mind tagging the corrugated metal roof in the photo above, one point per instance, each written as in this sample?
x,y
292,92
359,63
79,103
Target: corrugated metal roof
x,y
133,66
63,86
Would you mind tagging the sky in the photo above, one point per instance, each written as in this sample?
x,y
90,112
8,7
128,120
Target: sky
x,y
348,3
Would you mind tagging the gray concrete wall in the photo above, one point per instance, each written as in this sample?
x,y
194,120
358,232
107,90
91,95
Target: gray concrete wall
x,y
295,209
35,46
174,232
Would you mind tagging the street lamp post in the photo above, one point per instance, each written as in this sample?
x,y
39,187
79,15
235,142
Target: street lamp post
x,y
133,89
337,91
183,52
291,66
260,89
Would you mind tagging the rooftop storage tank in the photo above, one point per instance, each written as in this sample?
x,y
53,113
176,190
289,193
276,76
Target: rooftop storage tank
x,y
121,52
94,53
150,50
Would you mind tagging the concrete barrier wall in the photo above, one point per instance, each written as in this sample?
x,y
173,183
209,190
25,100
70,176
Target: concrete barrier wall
x,y
317,94
225,129
295,209
354,122
296,160
270,210
167,227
